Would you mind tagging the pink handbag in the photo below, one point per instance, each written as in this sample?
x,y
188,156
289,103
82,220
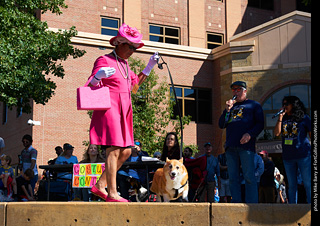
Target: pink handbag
x,y
93,98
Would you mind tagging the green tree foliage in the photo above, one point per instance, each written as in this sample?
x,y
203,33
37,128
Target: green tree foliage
x,y
29,53
306,2
152,110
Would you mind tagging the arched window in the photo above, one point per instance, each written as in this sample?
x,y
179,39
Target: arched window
x,y
273,103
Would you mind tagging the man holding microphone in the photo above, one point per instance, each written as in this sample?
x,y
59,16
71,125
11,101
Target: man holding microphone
x,y
243,120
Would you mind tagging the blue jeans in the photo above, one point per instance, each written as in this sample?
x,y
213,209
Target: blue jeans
x,y
234,157
291,166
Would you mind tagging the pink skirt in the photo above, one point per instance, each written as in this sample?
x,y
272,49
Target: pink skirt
x,y
113,127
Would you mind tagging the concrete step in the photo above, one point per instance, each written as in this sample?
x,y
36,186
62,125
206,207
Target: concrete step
x,y
149,214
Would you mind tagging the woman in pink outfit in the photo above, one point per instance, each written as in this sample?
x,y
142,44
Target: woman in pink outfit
x,y
114,127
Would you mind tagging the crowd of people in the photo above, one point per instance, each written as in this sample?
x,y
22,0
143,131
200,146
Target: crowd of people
x,y
214,186
240,174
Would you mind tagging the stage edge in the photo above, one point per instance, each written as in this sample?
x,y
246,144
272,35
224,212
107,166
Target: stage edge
x,y
99,213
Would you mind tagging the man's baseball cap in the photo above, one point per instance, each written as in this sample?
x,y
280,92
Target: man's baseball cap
x,y
67,146
239,83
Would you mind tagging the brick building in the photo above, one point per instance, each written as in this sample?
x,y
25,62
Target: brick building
x,y
207,44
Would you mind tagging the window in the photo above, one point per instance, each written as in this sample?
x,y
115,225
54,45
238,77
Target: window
x,y
214,40
165,34
274,102
261,4
195,102
109,26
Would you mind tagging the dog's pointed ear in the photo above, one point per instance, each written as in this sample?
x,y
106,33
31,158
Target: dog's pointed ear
x,y
181,160
167,159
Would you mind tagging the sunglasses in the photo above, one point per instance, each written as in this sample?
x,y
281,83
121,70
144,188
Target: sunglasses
x,y
137,143
285,104
132,47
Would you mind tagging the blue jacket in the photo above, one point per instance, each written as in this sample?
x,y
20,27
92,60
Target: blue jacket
x,y
213,168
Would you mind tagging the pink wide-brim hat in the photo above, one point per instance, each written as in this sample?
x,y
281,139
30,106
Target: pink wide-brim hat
x,y
129,35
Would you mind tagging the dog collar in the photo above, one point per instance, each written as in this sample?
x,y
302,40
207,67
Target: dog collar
x,y
177,190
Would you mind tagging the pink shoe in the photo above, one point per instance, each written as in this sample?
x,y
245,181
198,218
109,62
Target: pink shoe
x,y
98,193
116,200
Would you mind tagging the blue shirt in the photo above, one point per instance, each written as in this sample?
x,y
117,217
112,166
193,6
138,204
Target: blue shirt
x,y
212,168
131,172
9,171
295,142
63,160
244,117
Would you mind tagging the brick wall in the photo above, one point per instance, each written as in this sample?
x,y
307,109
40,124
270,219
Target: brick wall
x,y
13,131
61,122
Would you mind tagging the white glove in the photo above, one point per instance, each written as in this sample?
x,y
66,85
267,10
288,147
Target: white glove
x,y
153,61
104,72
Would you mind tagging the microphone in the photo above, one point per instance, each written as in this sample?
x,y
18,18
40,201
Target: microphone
x,y
278,113
160,64
228,113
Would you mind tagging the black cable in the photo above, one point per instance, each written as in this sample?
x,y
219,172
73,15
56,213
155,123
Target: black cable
x,y
176,100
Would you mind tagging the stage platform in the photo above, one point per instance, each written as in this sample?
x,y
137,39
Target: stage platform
x,y
149,214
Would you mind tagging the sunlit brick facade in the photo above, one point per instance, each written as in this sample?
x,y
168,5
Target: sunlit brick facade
x,y
247,52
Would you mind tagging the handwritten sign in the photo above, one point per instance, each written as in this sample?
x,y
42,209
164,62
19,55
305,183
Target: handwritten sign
x,y
86,175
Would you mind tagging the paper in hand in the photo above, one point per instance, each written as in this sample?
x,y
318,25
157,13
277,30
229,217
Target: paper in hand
x,y
135,89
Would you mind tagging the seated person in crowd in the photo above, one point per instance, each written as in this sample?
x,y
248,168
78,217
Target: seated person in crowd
x,y
66,158
51,172
7,178
157,155
171,148
138,145
91,155
59,151
187,153
24,189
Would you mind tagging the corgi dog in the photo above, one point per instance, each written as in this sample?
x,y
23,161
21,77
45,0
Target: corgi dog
x,y
171,181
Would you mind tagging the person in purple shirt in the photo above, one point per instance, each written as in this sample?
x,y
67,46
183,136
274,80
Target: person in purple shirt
x,y
243,120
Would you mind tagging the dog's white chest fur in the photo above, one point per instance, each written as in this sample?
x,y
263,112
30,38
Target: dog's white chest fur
x,y
175,184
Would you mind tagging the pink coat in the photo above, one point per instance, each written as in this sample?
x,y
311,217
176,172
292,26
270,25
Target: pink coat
x,y
114,127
